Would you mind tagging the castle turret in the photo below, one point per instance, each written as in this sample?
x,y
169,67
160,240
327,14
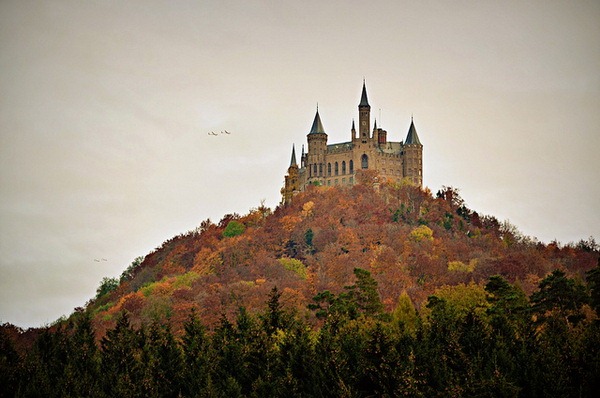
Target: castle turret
x,y
364,115
317,148
413,156
292,185
353,131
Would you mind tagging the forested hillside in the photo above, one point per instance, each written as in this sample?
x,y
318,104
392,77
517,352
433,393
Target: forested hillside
x,y
371,290
408,239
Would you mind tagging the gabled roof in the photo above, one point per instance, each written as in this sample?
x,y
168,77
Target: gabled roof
x,y
412,137
364,101
317,126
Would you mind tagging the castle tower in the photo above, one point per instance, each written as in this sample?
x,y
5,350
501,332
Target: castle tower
x,y
292,185
317,149
364,115
413,156
336,164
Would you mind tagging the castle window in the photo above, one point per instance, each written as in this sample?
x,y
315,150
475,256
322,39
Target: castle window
x,y
364,161
336,168
351,180
315,169
343,181
320,169
344,167
351,166
329,169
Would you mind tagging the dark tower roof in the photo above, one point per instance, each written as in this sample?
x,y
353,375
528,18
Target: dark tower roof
x,y
364,101
412,137
317,126
293,161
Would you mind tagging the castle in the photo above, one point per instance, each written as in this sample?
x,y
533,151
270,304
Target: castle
x,y
336,164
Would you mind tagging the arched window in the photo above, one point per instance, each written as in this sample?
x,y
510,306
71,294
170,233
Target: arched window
x,y
336,168
351,166
344,167
320,169
315,169
364,162
329,169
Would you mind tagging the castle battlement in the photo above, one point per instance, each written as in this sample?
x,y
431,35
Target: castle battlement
x,y
336,164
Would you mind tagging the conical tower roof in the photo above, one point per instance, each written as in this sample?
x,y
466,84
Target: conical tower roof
x,y
364,101
317,126
293,161
412,136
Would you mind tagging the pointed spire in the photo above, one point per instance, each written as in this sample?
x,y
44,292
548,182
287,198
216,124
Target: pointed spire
x,y
317,126
353,128
412,137
293,161
364,101
375,125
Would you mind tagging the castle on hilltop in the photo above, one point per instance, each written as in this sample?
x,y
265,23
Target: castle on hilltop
x,y
336,164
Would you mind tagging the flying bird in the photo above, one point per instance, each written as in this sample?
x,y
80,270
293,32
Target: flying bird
x,y
227,132
212,133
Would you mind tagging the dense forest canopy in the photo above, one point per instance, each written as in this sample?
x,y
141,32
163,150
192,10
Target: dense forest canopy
x,y
370,290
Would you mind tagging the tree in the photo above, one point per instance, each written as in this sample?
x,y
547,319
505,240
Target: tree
x,y
106,286
561,294
405,315
593,282
234,228
197,360
10,363
122,367
364,293
131,270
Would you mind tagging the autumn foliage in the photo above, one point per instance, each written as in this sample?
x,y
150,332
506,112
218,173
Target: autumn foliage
x,y
408,239
369,290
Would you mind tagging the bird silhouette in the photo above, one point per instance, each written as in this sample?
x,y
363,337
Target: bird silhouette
x,y
227,132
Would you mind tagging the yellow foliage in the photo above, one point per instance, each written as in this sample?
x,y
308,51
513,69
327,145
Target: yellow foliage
x,y
185,280
294,265
420,233
206,261
307,209
289,222
459,266
462,298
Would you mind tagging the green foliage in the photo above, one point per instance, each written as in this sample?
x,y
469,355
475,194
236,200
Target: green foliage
x,y
593,280
308,237
234,228
361,298
106,286
466,348
561,294
405,315
185,280
131,270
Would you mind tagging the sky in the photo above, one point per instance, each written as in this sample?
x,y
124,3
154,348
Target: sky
x,y
106,109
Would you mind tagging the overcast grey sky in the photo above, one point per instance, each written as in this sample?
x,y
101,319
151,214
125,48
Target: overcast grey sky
x,y
106,106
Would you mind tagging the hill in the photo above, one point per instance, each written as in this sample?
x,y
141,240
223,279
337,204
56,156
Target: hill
x,y
408,239
370,290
